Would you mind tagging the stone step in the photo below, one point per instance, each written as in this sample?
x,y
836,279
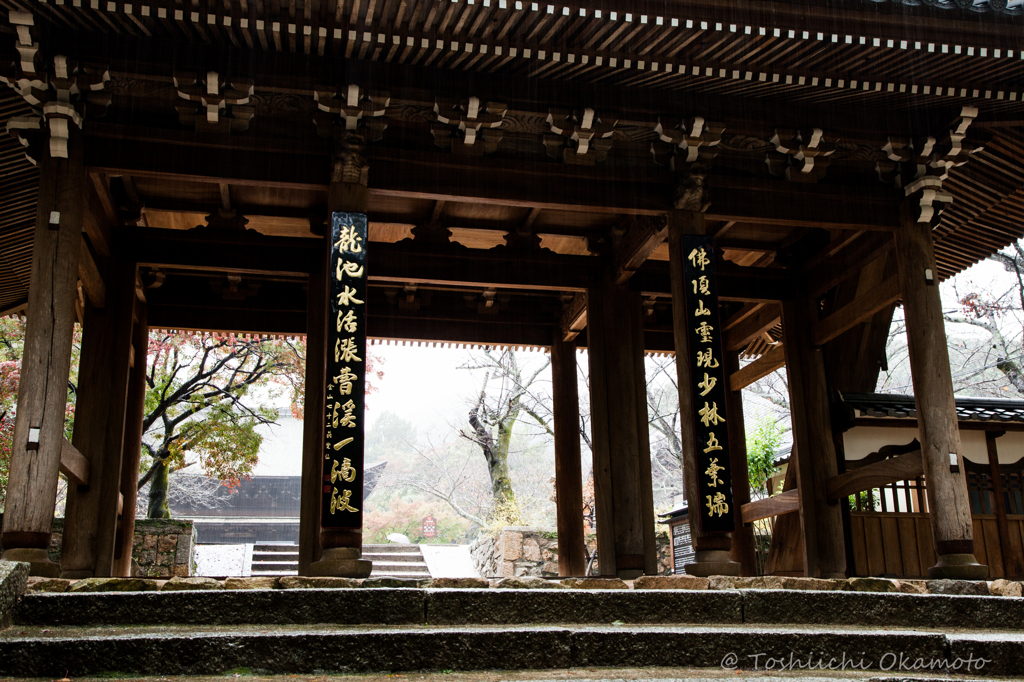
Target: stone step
x,y
287,549
76,652
389,607
391,549
393,557
286,566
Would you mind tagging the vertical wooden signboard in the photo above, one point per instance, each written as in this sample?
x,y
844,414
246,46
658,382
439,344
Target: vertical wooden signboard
x,y
714,506
342,502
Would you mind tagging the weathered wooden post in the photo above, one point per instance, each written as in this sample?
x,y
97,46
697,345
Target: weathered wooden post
x,y
568,473
90,523
624,507
132,449
821,522
55,144
948,505
742,551
340,457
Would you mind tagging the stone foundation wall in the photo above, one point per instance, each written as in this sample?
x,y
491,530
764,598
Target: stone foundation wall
x,y
162,548
526,551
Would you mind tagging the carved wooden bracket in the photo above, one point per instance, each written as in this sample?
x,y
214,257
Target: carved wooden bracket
x,y
685,141
360,110
475,123
800,155
61,91
920,166
214,103
579,137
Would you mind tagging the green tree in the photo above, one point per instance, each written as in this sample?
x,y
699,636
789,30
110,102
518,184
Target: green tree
x,y
762,443
205,399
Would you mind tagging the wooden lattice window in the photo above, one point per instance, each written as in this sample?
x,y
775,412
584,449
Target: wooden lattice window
x,y
906,497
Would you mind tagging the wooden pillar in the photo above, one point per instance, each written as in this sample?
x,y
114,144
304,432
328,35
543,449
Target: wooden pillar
x,y
90,519
312,426
42,392
948,503
568,474
821,522
132,449
711,549
340,549
1012,561
622,474
742,551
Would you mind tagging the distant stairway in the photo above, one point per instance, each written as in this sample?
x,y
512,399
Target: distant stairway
x,y
396,561
389,561
273,559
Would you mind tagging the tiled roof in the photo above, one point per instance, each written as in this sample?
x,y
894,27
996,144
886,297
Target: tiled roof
x,y
967,409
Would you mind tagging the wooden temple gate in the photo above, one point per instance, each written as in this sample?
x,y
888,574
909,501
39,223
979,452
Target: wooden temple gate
x,y
532,175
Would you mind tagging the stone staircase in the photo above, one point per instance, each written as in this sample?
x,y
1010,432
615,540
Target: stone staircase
x,y
371,630
274,559
389,561
396,561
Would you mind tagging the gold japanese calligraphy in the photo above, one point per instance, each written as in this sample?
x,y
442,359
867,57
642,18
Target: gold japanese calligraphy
x,y
709,415
349,240
701,311
345,351
699,258
348,296
345,472
717,506
348,268
701,285
348,323
713,444
345,380
341,502
704,332
707,384
705,359
712,471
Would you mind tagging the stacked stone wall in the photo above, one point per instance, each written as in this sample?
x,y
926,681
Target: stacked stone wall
x,y
162,548
518,551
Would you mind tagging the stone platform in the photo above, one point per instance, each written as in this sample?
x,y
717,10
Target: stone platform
x,y
347,630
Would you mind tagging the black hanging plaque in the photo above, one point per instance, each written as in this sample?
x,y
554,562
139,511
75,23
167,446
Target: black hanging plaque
x,y
342,499
714,505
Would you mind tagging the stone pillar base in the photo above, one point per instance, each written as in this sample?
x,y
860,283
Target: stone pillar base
x,y
39,562
713,562
341,562
76,575
629,573
958,567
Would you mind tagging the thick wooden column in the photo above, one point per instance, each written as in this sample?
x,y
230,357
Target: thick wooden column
x,y
132,449
821,523
948,503
42,393
711,549
90,519
742,551
341,549
622,474
1012,561
568,473
313,407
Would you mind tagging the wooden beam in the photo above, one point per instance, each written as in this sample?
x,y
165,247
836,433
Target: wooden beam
x,y
637,245
855,312
73,464
847,263
735,282
876,475
758,369
574,317
743,313
753,326
18,307
783,503
101,214
89,274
